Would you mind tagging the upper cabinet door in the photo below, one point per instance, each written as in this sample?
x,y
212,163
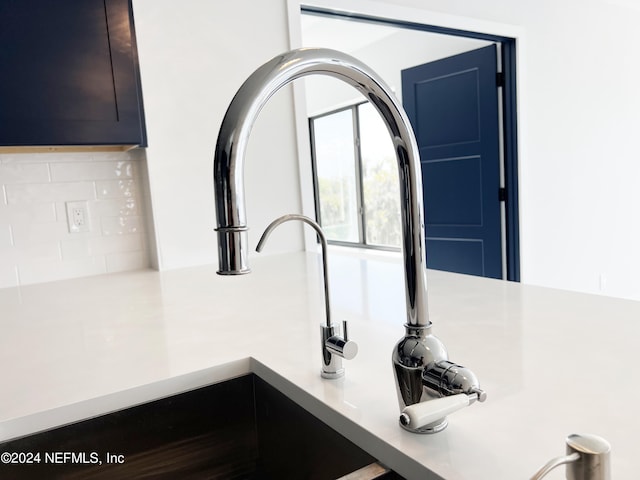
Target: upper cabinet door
x,y
69,74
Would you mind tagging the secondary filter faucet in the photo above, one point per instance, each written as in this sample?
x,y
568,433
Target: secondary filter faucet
x,y
418,351
334,347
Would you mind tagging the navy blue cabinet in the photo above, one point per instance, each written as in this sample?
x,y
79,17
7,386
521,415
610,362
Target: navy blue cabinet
x,y
69,74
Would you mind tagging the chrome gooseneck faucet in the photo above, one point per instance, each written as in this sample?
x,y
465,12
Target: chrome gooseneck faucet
x,y
420,361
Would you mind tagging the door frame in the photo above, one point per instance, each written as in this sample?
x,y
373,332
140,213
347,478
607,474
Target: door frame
x,y
509,37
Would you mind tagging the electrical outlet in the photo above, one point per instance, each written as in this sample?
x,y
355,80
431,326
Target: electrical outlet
x,y
78,217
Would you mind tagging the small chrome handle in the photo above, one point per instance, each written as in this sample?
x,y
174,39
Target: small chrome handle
x,y
588,458
334,349
343,347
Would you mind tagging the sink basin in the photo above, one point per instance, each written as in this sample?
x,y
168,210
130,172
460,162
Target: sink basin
x,y
238,429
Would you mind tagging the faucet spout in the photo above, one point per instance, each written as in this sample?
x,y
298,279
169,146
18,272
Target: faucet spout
x,y
233,138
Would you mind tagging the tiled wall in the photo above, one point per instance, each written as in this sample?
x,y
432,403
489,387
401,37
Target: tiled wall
x,y
35,242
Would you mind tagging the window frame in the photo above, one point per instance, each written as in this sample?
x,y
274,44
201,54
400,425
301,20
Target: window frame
x,y
361,211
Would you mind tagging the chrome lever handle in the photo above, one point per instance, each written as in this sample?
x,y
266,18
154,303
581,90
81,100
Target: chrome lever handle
x,y
419,415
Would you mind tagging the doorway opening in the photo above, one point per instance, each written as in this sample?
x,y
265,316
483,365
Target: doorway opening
x,y
391,47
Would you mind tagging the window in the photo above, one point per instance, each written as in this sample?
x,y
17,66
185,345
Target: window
x,y
356,178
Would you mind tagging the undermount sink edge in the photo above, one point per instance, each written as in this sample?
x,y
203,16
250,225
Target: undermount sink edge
x,y
88,409
85,409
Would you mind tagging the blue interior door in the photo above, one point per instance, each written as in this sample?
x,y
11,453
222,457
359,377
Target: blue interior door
x,y
453,107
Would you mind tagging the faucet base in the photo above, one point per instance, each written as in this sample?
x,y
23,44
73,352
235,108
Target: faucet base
x,y
434,427
334,349
332,375
417,349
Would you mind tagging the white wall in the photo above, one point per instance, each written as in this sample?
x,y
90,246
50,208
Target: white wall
x,y
579,117
194,55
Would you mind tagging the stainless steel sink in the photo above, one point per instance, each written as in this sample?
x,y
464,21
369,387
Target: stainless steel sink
x,y
239,429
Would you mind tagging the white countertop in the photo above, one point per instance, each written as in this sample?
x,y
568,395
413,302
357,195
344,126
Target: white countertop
x,y
552,362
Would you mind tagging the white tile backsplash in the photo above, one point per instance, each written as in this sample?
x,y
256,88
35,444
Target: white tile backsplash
x,y
30,193
121,207
47,251
24,173
117,262
71,248
116,244
6,237
116,189
35,244
25,234
8,275
121,225
37,272
37,212
68,172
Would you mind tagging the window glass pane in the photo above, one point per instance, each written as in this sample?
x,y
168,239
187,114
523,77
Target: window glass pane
x,y
336,172
379,180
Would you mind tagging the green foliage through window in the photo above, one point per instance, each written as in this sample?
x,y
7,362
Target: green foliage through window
x,y
356,178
